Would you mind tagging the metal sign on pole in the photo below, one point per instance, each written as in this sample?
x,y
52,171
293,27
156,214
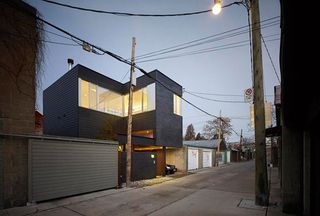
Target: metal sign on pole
x,y
248,95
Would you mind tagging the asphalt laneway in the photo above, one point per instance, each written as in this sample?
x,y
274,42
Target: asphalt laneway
x,y
227,190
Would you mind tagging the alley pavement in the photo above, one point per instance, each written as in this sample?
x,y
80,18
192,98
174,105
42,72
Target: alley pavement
x,y
226,190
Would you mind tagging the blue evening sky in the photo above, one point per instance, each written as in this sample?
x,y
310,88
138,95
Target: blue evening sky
x,y
224,71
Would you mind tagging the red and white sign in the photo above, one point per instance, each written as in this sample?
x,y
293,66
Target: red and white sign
x,y
248,95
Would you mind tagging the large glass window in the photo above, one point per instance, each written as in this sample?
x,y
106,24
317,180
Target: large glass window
x,y
137,102
176,104
92,96
143,100
97,98
150,101
84,94
110,102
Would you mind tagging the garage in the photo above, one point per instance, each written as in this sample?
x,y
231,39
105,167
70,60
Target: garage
x,y
193,158
65,167
207,158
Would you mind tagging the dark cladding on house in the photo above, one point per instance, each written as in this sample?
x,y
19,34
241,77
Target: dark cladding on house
x,y
84,103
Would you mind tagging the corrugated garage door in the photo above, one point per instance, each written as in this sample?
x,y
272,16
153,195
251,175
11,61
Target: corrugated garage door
x,y
63,168
207,159
193,158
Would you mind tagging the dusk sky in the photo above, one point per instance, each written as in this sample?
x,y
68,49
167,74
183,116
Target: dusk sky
x,y
224,72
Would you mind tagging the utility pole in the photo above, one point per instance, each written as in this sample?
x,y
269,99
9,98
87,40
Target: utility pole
x,y
240,139
240,145
219,134
261,178
129,145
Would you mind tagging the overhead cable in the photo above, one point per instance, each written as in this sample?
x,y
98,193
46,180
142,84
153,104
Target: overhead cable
x,y
121,59
215,100
226,34
274,68
135,14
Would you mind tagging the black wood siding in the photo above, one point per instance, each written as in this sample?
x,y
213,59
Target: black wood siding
x,y
168,124
143,166
98,125
99,79
63,116
60,106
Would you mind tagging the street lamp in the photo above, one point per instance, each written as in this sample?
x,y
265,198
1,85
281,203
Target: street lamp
x,y
216,9
261,180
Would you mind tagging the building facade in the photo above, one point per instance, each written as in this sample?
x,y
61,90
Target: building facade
x,y
20,58
84,103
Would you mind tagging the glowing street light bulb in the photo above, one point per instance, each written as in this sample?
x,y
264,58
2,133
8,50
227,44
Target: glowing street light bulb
x,y
216,9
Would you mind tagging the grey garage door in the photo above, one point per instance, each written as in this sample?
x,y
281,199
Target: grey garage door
x,y
59,168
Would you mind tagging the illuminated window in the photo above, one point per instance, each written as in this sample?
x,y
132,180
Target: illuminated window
x,y
125,104
176,104
137,102
143,100
84,94
97,98
150,101
92,96
110,102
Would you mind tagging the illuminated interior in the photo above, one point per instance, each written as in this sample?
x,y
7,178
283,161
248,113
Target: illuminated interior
x,y
101,99
84,96
147,148
176,105
144,133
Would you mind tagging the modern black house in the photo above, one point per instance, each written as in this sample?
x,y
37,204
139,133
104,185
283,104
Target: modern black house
x,y
87,104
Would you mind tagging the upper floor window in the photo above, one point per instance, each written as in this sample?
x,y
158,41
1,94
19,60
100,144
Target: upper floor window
x,y
176,104
143,100
97,98
110,102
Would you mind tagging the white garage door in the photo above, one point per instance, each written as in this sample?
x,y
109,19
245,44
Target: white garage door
x,y
207,159
193,156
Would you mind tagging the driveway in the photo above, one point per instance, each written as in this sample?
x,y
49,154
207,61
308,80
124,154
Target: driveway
x,y
227,190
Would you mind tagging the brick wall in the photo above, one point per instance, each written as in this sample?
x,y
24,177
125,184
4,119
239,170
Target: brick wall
x,y
18,45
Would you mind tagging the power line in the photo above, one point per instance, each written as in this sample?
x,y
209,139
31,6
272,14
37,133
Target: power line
x,y
207,50
216,94
33,38
274,68
214,100
121,59
223,35
135,14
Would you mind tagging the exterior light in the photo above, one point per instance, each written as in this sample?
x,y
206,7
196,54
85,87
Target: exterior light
x,y
216,9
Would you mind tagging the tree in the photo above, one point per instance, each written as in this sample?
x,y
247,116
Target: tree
x,y
199,136
190,134
211,128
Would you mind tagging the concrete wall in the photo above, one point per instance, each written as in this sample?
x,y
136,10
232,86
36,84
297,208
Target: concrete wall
x,y
200,157
177,157
17,101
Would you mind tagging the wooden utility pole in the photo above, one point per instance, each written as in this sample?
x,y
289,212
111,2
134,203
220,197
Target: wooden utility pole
x,y
261,178
219,134
240,145
240,139
129,145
